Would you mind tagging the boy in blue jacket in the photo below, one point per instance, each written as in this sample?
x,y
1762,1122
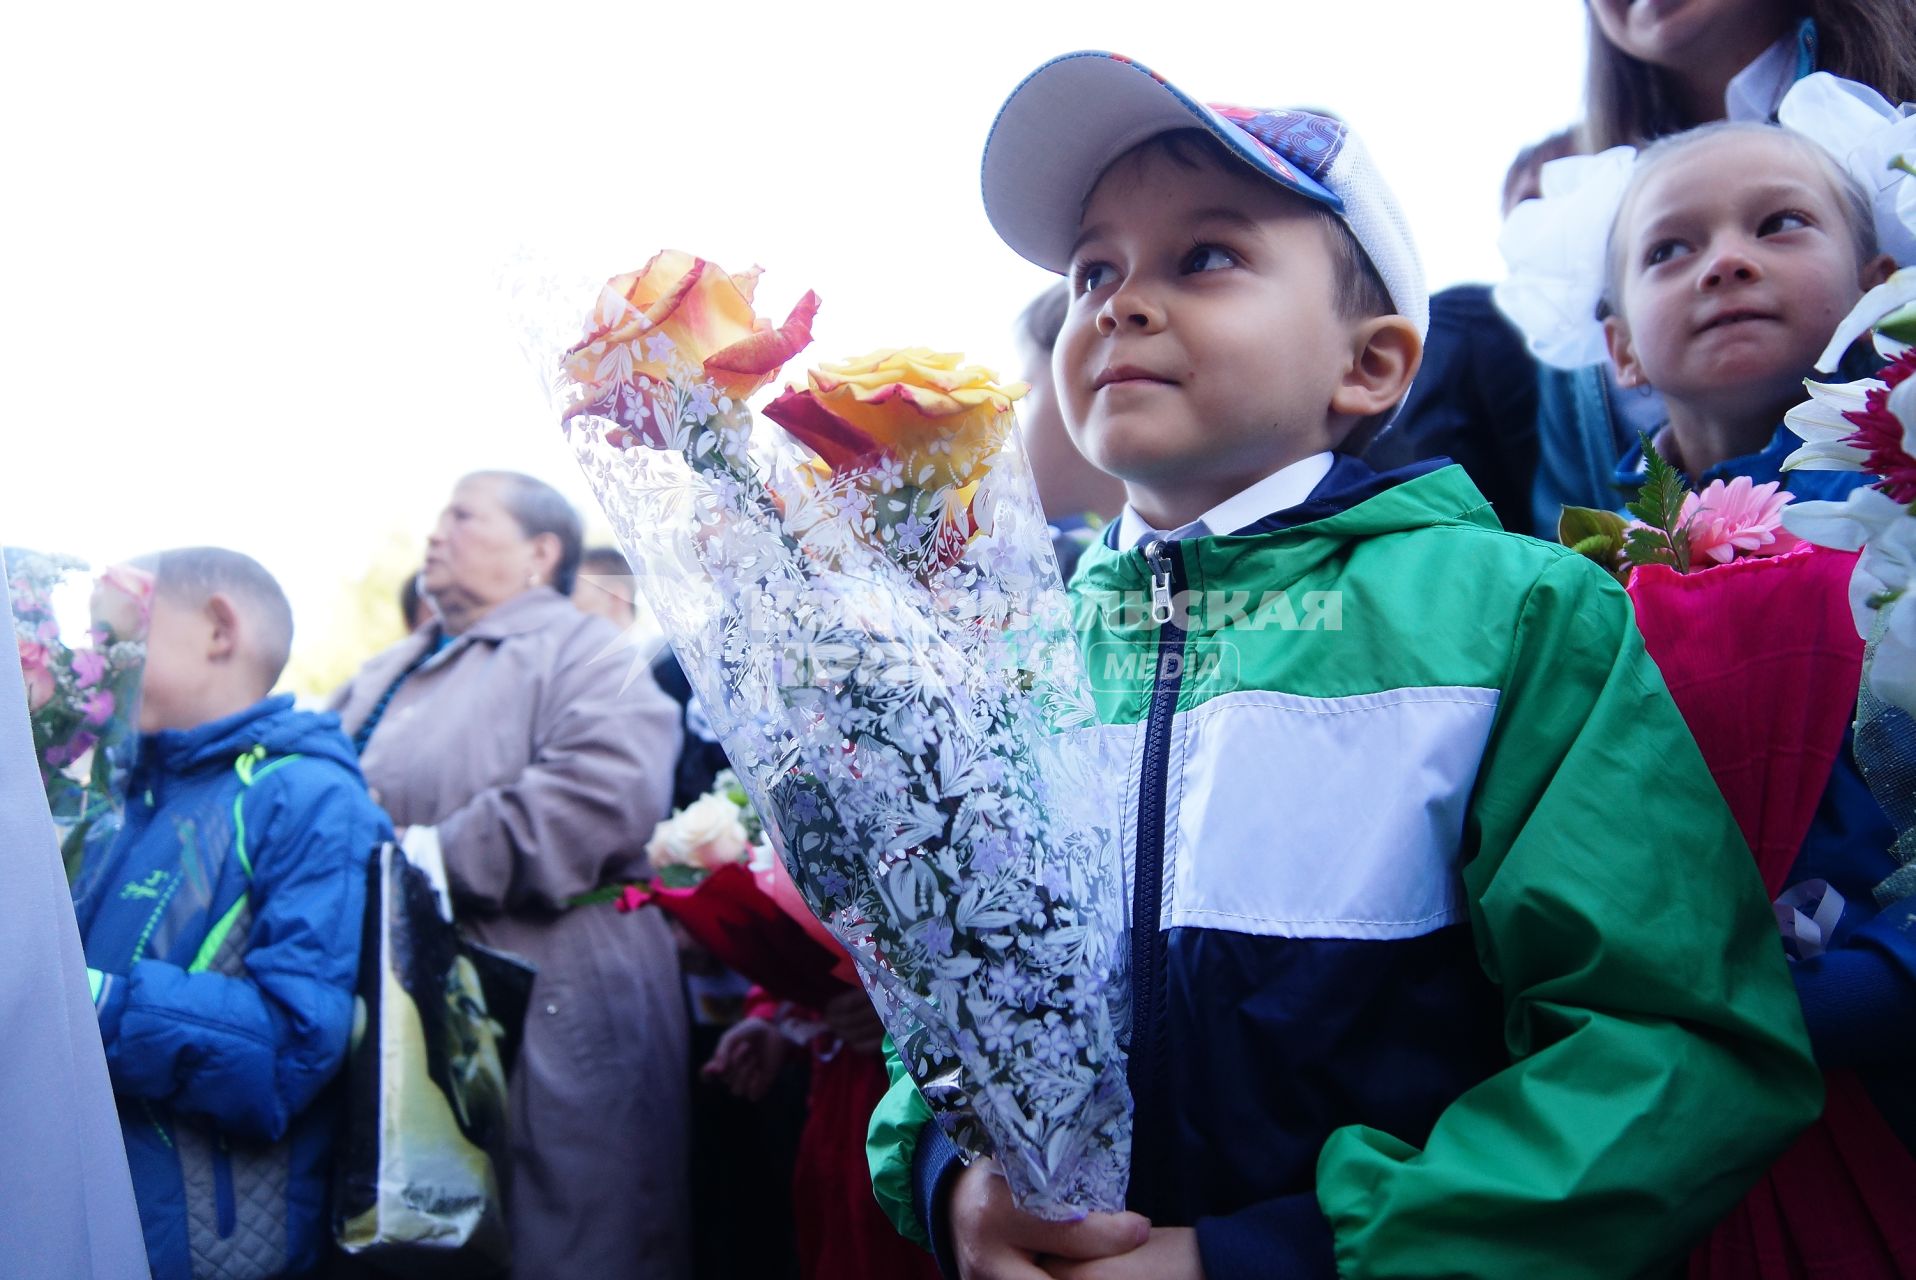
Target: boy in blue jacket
x,y
222,931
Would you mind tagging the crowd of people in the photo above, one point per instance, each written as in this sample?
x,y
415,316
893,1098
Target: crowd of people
x,y
1447,955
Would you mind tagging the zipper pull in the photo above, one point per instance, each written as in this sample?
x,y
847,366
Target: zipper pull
x,y
1161,610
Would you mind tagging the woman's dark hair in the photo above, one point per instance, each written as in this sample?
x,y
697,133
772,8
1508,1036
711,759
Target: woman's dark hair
x,y
1628,102
412,605
536,507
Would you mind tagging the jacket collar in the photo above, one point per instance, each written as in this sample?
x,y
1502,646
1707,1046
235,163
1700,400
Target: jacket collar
x,y
1285,487
1764,465
531,610
1755,92
218,741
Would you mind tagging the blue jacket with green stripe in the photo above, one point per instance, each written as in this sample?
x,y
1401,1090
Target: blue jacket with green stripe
x,y
223,924
1448,958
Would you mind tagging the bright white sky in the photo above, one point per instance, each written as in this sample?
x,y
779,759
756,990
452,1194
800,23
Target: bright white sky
x,y
251,249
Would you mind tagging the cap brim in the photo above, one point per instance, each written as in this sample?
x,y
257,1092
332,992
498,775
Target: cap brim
x,y
1067,122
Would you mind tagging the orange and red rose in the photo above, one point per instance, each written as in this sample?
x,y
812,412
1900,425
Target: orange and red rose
x,y
940,420
914,423
674,313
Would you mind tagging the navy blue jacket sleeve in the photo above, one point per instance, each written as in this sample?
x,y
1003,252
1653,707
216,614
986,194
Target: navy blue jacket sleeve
x,y
250,1051
1288,1236
1859,996
935,1165
1859,999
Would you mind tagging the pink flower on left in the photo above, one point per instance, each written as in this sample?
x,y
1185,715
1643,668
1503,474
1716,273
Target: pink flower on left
x,y
123,602
34,665
89,666
1727,519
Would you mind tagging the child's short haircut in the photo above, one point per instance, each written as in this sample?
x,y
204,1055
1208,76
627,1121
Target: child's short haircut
x,y
604,561
190,576
1850,196
1522,178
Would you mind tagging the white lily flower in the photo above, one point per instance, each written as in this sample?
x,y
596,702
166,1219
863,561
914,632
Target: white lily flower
x,y
1866,133
1865,514
1869,520
1893,294
1831,455
1892,664
1902,406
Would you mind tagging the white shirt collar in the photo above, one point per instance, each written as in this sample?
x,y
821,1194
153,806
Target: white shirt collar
x,y
1282,489
1757,90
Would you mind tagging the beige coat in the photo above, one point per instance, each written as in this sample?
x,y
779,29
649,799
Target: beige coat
x,y
543,755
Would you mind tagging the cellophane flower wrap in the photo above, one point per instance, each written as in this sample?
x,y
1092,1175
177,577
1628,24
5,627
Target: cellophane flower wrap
x,y
82,691
868,607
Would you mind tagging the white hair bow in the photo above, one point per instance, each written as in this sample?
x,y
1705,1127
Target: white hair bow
x,y
1867,136
1555,248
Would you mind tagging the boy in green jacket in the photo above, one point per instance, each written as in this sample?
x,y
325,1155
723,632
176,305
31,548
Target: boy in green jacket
x,y
1447,958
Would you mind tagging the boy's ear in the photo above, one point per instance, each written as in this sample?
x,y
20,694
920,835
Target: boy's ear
x,y
1877,270
222,645
1386,352
1623,353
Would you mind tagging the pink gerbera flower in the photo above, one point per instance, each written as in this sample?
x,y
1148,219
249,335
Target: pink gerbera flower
x,y
1725,519
1880,434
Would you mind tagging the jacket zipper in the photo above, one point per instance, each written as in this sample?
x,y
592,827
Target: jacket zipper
x,y
1148,1061
225,1211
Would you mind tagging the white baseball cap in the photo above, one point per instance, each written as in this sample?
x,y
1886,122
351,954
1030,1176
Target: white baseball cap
x,y
1060,129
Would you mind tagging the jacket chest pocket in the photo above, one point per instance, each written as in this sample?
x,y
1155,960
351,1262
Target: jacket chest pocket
x,y
236,1207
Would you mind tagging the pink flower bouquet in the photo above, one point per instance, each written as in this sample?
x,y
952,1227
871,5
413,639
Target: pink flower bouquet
x,y
82,692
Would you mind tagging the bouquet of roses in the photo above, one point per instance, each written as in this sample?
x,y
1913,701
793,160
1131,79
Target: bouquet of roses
x,y
730,893
1747,624
714,831
868,607
82,696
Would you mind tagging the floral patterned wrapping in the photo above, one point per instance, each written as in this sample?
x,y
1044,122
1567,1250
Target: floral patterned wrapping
x,y
869,609
82,694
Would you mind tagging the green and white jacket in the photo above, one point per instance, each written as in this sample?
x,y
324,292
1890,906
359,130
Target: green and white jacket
x,y
1449,958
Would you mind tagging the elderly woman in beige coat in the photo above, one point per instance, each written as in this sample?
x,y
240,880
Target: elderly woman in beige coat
x,y
515,727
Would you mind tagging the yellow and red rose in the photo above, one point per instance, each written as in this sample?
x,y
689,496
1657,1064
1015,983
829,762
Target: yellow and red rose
x,y
913,420
677,311
942,420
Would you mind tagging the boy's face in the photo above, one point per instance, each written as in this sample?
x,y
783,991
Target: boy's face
x,y
1736,265
172,686
1203,344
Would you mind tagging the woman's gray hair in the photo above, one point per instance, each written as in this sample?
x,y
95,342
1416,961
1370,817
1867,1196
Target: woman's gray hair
x,y
536,507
